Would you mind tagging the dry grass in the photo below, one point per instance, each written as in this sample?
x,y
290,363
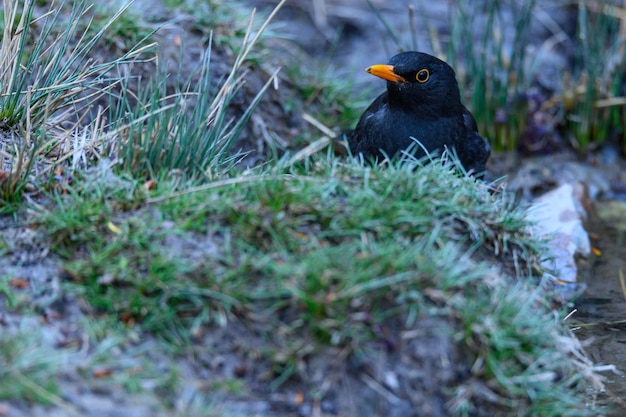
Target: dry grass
x,y
48,80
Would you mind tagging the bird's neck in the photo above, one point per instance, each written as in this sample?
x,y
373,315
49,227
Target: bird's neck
x,y
433,107
425,110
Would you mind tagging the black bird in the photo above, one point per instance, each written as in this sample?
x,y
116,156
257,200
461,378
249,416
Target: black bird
x,y
421,111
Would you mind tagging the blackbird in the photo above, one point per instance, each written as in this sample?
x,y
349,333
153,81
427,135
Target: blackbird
x,y
420,112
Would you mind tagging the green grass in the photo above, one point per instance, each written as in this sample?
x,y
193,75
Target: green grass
x,y
7,292
526,358
496,78
28,369
328,254
596,96
192,130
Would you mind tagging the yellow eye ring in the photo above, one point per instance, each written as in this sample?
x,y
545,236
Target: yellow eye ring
x,y
422,75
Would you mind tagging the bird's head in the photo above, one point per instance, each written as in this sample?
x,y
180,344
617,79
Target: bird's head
x,y
419,80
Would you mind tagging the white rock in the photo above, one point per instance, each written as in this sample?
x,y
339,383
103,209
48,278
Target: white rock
x,y
558,216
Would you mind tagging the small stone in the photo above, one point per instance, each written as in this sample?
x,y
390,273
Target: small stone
x,y
558,216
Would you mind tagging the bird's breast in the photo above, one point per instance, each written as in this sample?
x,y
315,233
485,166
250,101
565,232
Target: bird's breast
x,y
387,133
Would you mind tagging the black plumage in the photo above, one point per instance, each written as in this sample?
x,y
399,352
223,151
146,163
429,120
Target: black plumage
x,y
421,111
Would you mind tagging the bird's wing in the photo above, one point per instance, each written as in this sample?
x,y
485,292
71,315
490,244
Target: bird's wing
x,y
378,104
470,122
475,153
475,149
363,129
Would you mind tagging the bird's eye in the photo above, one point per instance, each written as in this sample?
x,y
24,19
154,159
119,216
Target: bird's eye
x,y
422,75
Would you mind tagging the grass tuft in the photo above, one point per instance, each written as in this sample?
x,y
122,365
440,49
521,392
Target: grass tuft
x,y
526,363
324,257
593,95
28,369
52,81
494,67
192,130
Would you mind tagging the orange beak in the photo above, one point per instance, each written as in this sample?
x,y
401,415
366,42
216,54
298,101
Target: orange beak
x,y
386,73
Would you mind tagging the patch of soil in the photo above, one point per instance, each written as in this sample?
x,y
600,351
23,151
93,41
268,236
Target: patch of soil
x,y
384,380
601,310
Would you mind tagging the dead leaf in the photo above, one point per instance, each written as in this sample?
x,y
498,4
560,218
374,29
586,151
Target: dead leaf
x,y
149,185
19,283
299,399
113,228
101,372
